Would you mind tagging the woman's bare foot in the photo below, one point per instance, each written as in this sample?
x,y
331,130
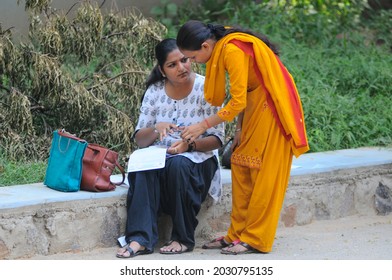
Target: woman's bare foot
x,y
217,243
133,246
238,248
174,247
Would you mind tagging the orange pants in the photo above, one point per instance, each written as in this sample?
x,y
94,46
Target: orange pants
x,y
257,199
260,170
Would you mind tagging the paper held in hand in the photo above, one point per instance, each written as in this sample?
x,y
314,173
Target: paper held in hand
x,y
153,157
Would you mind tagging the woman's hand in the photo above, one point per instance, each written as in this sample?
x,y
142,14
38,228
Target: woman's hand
x,y
178,148
236,141
164,128
192,132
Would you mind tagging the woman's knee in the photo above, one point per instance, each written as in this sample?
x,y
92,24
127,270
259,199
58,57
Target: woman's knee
x,y
179,164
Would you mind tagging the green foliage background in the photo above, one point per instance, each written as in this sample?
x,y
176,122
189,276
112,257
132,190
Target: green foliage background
x,y
86,72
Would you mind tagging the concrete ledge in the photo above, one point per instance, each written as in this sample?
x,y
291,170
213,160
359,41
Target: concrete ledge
x,y
37,220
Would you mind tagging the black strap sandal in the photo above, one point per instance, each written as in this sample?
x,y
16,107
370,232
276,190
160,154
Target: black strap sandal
x,y
132,253
249,249
222,243
183,249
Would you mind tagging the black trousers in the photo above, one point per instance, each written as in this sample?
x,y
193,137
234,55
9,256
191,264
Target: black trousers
x,y
178,190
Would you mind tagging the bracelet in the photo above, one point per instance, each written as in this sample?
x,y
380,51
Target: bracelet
x,y
207,123
191,147
155,129
238,129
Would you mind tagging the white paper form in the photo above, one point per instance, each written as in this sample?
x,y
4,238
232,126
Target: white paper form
x,y
153,157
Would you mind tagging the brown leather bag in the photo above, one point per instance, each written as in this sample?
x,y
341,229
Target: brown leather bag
x,y
98,165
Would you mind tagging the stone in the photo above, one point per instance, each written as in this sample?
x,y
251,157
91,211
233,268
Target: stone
x,y
383,199
4,252
288,216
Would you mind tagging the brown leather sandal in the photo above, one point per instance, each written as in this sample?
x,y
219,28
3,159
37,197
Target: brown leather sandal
x,y
222,243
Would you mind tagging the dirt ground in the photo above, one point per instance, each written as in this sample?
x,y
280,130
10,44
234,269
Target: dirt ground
x,y
350,238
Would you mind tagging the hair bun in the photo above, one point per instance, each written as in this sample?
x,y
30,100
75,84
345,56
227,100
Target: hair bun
x,y
211,27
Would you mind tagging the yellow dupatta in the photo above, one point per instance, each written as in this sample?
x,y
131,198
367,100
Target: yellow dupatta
x,y
280,87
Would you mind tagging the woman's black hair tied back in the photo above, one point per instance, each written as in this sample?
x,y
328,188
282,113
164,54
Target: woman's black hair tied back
x,y
211,27
194,33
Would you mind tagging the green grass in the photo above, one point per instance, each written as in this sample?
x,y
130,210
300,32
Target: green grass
x,y
19,173
345,93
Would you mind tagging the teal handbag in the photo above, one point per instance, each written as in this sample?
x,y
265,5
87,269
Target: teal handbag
x,y
64,170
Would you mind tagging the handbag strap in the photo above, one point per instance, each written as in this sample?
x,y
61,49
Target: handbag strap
x,y
122,172
64,133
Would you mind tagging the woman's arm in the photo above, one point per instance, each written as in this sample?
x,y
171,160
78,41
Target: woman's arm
x,y
146,136
205,144
145,131
237,64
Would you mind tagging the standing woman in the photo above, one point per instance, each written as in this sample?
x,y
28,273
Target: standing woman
x,y
270,126
174,98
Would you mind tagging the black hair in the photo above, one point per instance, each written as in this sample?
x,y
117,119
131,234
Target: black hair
x,y
162,50
194,33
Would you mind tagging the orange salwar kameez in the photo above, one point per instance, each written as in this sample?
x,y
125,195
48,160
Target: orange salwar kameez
x,y
270,135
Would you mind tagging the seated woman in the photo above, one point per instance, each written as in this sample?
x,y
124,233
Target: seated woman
x,y
174,99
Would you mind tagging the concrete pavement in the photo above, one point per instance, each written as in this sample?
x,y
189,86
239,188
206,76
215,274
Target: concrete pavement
x,y
350,238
